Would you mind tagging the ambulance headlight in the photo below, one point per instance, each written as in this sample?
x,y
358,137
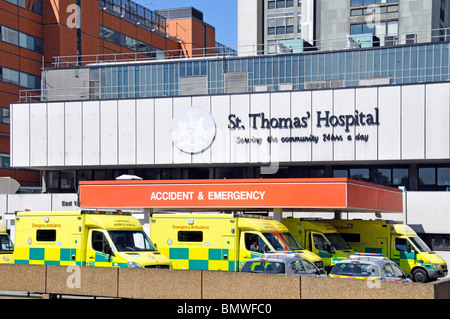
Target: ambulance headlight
x,y
436,266
133,265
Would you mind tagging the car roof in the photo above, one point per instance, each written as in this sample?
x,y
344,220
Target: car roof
x,y
374,259
278,257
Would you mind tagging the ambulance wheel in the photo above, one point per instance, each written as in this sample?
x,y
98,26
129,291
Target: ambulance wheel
x,y
420,275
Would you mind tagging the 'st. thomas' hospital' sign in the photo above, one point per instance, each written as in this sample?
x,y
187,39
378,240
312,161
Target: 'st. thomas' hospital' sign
x,y
259,121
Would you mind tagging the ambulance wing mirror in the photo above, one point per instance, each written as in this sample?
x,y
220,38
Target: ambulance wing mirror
x,y
329,248
108,250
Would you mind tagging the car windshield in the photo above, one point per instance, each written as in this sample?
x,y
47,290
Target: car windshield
x,y
355,269
392,270
302,267
277,243
337,241
295,245
264,267
5,243
420,244
131,241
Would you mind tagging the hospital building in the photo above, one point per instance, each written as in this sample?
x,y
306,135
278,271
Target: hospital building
x,y
373,106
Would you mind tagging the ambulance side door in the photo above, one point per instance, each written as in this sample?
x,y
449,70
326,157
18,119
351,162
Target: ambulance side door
x,y
320,245
251,246
98,250
403,253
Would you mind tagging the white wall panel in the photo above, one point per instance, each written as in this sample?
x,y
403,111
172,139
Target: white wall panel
x,y
437,121
220,110
38,134
73,134
145,131
205,103
127,132
280,104
56,130
163,141
300,106
20,135
108,133
260,152
91,133
389,132
180,103
344,104
366,102
240,105
413,122
322,101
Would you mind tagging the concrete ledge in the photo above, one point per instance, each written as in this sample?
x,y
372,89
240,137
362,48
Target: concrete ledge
x,y
83,281
230,285
160,284
339,288
196,284
28,278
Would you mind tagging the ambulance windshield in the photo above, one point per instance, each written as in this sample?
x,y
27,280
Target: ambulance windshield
x,y
420,244
131,241
5,243
295,245
277,242
337,241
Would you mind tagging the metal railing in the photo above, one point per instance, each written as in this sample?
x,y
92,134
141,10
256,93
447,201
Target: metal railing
x,y
433,35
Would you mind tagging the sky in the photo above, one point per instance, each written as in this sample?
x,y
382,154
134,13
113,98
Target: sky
x,y
221,14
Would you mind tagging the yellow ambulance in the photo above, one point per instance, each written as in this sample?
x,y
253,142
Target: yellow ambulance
x,y
218,241
292,244
398,242
6,246
84,238
319,237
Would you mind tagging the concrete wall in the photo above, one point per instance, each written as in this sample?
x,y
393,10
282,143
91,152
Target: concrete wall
x,y
250,27
187,284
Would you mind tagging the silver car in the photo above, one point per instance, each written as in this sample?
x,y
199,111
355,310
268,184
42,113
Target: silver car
x,y
369,266
285,264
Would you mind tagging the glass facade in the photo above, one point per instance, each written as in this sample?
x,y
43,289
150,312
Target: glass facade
x,y
346,68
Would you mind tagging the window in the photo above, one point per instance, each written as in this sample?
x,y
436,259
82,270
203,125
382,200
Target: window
x,y
46,235
100,242
282,23
297,267
392,27
351,238
5,243
402,244
360,174
443,176
190,236
9,35
436,241
131,241
434,178
21,39
14,77
254,243
36,5
427,176
320,242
